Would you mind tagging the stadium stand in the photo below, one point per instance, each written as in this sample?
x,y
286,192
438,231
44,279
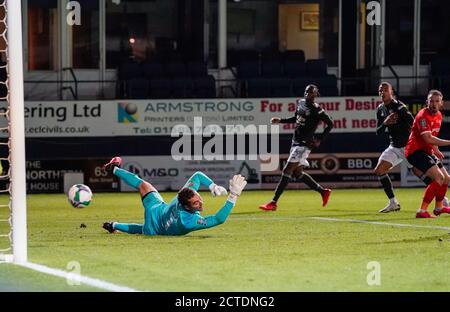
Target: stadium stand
x,y
440,74
286,74
268,73
173,79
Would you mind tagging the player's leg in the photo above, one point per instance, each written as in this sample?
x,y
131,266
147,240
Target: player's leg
x,y
440,193
304,177
130,228
284,181
425,163
129,178
427,180
431,191
286,176
421,175
386,162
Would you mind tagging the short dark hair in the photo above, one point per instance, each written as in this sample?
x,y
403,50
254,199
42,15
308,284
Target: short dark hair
x,y
385,83
184,195
312,86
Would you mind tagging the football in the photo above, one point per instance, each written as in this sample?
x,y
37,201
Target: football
x,y
80,196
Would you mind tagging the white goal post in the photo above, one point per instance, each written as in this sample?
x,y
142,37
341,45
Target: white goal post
x,y
16,124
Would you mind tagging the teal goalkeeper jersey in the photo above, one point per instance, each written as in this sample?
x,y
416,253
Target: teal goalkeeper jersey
x,y
173,219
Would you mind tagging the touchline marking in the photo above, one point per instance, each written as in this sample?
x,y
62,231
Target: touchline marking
x,y
275,218
445,228
83,279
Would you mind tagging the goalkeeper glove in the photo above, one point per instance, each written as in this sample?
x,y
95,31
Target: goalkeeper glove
x,y
217,190
237,184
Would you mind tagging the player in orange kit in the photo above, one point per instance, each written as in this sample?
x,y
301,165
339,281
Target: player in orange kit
x,y
422,151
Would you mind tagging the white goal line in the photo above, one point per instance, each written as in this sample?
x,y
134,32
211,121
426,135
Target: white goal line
x,y
69,276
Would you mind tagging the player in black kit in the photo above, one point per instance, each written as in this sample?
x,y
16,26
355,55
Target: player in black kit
x,y
307,117
394,118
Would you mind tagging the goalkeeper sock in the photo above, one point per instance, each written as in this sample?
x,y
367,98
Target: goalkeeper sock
x,y
128,227
284,181
129,178
387,185
310,182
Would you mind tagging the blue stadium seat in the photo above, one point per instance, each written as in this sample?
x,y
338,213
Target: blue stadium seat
x,y
153,70
129,71
248,55
176,70
182,88
271,55
294,55
440,67
281,87
137,88
316,68
272,68
160,89
295,69
205,87
197,69
248,69
440,75
258,87
327,85
299,85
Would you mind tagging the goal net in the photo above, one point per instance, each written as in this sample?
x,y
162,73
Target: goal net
x,y
13,231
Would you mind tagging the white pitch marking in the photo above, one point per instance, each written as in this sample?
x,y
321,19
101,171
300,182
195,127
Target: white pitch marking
x,y
83,279
445,228
275,218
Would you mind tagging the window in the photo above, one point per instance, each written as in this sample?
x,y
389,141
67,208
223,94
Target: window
x,y
42,35
399,32
329,31
434,31
85,37
139,30
251,26
268,25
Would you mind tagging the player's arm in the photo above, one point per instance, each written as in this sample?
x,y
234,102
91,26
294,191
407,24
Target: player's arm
x,y
405,115
425,131
197,222
328,123
381,127
199,178
315,143
292,119
437,152
431,139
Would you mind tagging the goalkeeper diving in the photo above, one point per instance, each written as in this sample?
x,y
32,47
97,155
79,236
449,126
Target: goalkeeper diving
x,y
182,214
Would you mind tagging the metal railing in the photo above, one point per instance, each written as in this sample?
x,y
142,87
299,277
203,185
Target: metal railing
x,y
237,88
74,92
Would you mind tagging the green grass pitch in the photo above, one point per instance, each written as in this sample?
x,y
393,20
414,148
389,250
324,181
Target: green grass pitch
x,y
291,249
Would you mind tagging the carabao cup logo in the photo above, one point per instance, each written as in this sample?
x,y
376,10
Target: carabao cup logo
x,y
127,112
